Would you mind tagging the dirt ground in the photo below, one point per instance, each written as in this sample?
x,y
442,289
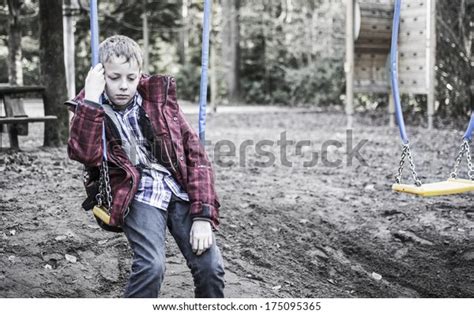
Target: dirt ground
x,y
286,231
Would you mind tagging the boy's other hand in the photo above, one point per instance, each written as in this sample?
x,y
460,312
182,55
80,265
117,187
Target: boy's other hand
x,y
200,236
95,83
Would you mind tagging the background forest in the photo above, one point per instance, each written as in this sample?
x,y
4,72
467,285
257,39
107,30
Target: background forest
x,y
288,52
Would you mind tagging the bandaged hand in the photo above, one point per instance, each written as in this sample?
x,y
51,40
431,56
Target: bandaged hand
x,y
200,236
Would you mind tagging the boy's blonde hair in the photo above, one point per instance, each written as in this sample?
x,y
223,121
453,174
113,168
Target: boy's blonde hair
x,y
119,45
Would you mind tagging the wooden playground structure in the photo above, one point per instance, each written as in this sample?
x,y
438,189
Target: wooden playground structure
x,y
368,38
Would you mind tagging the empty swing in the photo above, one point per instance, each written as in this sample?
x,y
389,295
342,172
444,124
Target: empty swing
x,y
452,185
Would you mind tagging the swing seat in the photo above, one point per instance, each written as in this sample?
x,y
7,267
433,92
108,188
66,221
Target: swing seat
x,y
450,186
101,213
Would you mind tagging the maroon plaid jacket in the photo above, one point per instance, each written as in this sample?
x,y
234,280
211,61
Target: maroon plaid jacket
x,y
173,141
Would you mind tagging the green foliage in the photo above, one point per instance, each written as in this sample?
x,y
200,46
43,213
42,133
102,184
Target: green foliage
x,y
291,53
31,64
285,60
125,18
454,49
188,81
318,83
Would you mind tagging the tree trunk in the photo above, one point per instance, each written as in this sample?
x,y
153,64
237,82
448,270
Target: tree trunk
x,y
183,34
471,49
231,47
289,11
146,38
15,71
268,37
226,39
69,48
214,90
309,35
52,71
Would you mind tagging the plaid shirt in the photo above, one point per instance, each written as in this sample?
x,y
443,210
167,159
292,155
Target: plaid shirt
x,y
179,149
156,183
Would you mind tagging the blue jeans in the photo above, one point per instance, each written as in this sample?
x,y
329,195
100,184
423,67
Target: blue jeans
x,y
145,229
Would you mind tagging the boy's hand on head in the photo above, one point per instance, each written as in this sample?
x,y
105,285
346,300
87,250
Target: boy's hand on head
x,y
200,236
95,83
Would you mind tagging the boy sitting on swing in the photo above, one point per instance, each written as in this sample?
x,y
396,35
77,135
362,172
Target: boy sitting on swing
x,y
159,172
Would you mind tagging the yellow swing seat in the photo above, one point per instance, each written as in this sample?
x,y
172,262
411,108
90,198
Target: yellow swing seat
x,y
450,186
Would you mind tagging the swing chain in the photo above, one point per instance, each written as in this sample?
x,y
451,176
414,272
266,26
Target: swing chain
x,y
413,170
465,149
99,195
457,163
105,191
470,170
108,189
398,178
406,153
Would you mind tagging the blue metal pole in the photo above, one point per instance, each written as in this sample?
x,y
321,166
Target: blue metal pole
x,y
94,22
394,72
94,32
206,26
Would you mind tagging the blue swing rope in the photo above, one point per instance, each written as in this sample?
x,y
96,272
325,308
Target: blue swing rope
x,y
394,72
206,27
94,24
94,32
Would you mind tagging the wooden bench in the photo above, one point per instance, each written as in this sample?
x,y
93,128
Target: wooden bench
x,y
15,116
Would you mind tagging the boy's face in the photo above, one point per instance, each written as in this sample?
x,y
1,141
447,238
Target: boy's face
x,y
121,79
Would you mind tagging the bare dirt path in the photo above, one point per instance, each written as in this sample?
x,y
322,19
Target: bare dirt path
x,y
316,231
